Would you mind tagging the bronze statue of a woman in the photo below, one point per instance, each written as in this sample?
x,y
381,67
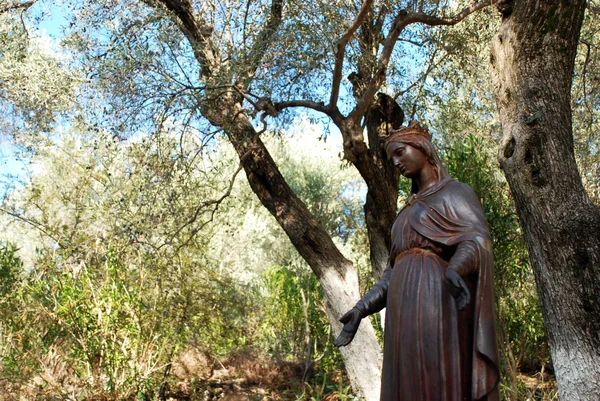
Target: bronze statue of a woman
x,y
440,341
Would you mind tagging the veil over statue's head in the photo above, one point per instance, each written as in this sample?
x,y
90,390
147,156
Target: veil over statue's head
x,y
418,137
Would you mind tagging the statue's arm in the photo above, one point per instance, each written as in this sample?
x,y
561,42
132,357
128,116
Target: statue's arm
x,y
464,262
376,298
372,302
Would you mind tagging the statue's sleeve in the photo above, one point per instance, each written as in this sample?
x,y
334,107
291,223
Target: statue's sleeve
x,y
465,259
375,300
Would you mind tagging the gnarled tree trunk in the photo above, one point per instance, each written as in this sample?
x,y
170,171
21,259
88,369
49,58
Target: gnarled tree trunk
x,y
336,274
532,67
381,177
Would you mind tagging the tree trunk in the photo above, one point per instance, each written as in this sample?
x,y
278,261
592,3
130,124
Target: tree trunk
x,y
532,68
380,206
336,274
381,177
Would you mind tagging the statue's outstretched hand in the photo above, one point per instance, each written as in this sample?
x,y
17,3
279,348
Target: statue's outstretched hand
x,y
351,320
458,288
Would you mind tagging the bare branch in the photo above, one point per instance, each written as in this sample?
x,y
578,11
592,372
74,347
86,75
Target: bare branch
x,y
341,50
309,104
216,203
436,21
44,230
430,67
13,7
584,79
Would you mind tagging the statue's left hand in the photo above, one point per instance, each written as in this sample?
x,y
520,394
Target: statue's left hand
x,y
458,288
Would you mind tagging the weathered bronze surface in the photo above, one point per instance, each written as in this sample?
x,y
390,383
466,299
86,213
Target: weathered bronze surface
x,y
440,341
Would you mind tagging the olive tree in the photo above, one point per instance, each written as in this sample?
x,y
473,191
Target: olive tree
x,y
533,64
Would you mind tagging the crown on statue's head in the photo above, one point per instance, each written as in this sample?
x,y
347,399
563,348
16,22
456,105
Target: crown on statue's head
x,y
414,128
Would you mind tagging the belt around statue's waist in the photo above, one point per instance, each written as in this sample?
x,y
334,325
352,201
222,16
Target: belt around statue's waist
x,y
414,251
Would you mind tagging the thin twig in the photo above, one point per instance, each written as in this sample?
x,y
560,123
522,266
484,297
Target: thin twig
x,y
423,76
203,205
34,224
583,75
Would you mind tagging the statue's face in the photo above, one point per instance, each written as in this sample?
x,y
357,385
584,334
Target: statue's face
x,y
407,158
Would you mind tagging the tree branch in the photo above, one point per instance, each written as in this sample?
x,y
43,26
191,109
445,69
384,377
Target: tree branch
x,y
423,76
263,39
38,226
215,202
13,7
341,50
196,30
309,104
584,80
402,20
437,21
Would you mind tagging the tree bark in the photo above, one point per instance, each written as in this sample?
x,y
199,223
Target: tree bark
x,y
532,69
381,177
382,115
380,207
336,274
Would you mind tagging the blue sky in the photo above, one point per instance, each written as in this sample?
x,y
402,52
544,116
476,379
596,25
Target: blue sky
x,y
55,18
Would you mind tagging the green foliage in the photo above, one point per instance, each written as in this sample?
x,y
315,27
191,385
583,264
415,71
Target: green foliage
x,y
96,309
326,390
110,322
294,313
294,326
11,277
122,280
35,86
11,270
133,255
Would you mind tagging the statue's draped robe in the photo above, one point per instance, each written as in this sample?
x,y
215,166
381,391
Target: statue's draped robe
x,y
432,350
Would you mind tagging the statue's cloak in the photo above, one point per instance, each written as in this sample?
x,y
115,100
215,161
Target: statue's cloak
x,y
449,214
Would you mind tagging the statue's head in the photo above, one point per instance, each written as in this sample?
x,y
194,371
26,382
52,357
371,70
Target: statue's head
x,y
417,137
